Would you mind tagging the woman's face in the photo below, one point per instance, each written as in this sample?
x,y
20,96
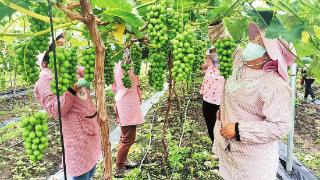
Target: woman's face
x,y
60,42
45,64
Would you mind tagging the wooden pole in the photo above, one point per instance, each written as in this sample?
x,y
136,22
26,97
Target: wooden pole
x,y
91,22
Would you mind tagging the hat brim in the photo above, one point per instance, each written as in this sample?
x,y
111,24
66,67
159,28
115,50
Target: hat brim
x,y
276,49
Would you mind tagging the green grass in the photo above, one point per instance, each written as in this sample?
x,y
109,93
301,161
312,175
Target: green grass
x,y
312,161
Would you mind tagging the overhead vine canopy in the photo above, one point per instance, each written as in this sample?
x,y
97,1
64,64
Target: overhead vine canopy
x,y
296,21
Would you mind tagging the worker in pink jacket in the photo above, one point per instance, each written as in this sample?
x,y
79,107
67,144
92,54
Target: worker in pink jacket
x,y
211,90
129,115
80,128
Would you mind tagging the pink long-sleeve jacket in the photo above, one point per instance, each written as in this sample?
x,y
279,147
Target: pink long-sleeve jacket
x,y
213,84
80,129
127,100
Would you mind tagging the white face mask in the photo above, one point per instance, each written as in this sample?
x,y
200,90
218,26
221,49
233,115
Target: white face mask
x,y
253,51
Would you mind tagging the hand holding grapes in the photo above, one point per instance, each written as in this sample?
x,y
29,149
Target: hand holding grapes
x,y
228,131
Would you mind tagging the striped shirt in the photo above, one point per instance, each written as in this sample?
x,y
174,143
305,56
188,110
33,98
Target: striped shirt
x,y
80,130
260,102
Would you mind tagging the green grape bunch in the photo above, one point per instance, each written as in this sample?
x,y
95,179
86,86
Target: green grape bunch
x,y
108,66
88,61
184,56
35,135
26,63
136,58
200,48
175,20
157,70
66,67
126,75
36,24
225,50
40,43
157,29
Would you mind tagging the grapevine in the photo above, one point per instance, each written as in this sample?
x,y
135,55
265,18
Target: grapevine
x,y
136,58
66,66
35,135
225,49
184,56
88,61
126,75
108,66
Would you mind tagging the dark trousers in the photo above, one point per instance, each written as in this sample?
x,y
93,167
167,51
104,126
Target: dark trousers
x,y
210,115
308,89
128,136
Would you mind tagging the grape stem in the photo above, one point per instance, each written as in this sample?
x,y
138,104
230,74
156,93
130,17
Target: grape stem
x,y
30,13
37,33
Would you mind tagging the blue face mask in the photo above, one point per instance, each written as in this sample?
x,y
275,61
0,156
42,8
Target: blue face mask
x,y
253,51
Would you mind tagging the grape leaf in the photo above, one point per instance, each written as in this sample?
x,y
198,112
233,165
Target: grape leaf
x,y
305,49
213,2
142,10
314,69
113,4
237,27
130,18
277,30
26,4
5,11
135,31
118,55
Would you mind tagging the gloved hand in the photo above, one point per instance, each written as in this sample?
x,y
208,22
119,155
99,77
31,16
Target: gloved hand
x,y
82,83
